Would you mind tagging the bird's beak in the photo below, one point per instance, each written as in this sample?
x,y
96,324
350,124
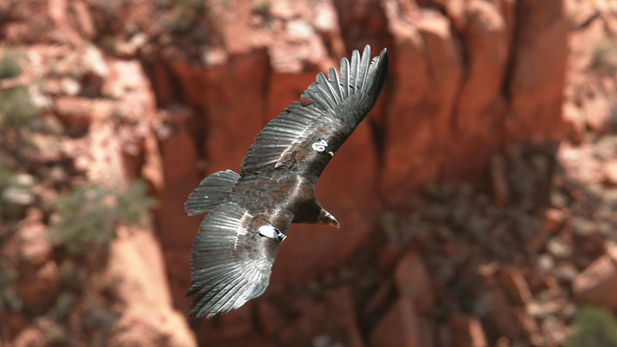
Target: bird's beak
x,y
326,218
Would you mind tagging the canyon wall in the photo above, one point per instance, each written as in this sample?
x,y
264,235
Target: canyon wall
x,y
171,91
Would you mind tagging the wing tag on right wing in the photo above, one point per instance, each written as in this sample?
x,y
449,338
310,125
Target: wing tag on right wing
x,y
271,232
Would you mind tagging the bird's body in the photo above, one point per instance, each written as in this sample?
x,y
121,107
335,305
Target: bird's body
x,y
249,213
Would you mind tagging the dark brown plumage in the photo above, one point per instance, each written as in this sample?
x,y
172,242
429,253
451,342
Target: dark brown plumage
x,y
249,213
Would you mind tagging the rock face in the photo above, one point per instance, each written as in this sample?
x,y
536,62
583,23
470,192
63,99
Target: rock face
x,y
418,115
398,327
448,105
172,91
136,276
537,81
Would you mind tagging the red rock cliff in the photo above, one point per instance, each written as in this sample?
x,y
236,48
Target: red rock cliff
x,y
172,91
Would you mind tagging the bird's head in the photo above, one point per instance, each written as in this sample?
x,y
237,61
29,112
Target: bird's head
x,y
326,218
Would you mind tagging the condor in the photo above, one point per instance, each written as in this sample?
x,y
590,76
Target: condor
x,y
249,213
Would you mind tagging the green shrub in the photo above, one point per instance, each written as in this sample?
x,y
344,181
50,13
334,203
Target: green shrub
x,y
9,64
198,5
14,194
16,107
593,327
8,297
604,58
88,216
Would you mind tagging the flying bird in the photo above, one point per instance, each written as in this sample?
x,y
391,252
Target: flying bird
x,y
248,213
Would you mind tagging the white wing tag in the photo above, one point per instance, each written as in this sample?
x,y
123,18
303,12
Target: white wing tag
x,y
271,232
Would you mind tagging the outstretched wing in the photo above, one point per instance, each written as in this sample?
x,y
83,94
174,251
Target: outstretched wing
x,y
233,253
305,136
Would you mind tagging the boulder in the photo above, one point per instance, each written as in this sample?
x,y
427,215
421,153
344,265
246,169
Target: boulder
x,y
413,281
467,331
398,327
332,321
597,284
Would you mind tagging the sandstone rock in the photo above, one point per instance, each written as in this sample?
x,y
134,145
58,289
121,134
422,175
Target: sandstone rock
x,y
237,322
38,289
162,85
467,331
457,14
503,317
427,332
290,56
84,20
378,299
55,333
412,154
15,324
537,82
75,112
575,122
581,12
28,248
61,30
152,168
529,326
270,320
179,159
190,83
515,285
93,62
365,22
306,326
343,303
287,9
177,264
499,180
553,220
596,110
610,171
597,284
136,275
398,327
412,281
333,320
126,80
580,164
233,95
35,248
285,88
326,22
104,164
30,337
319,247
480,105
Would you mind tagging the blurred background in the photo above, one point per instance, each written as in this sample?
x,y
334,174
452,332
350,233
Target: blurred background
x,y
477,201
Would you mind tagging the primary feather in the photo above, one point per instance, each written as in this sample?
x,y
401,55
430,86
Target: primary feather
x,y
250,212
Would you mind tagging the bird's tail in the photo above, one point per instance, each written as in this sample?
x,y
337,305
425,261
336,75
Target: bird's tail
x,y
211,192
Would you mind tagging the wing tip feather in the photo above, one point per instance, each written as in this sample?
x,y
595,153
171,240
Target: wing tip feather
x,y
348,99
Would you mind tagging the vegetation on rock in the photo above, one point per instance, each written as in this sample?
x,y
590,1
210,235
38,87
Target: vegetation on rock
x,y
88,216
593,327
